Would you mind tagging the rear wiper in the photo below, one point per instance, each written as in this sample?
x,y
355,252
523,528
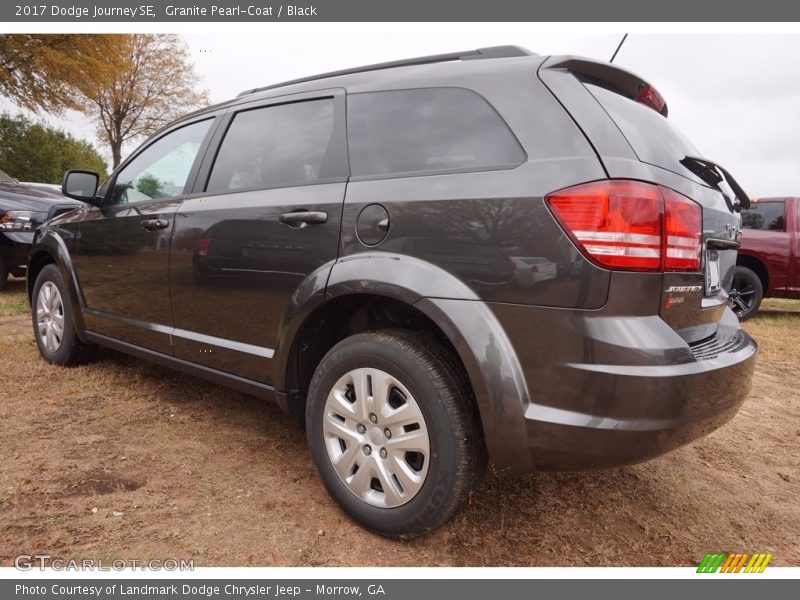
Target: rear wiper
x,y
713,174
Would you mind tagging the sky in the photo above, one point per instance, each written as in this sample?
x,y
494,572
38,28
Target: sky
x,y
735,96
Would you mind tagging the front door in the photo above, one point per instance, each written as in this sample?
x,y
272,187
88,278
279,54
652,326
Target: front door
x,y
122,254
266,222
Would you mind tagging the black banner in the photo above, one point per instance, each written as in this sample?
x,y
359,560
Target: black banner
x,y
392,589
140,11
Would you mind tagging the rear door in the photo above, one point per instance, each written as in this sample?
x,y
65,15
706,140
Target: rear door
x,y
264,219
122,253
764,225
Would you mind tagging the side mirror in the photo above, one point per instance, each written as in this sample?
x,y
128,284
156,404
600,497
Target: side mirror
x,y
80,185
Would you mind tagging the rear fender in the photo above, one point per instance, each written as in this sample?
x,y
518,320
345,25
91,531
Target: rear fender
x,y
485,351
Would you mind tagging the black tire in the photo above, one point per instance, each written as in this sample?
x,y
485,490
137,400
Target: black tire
x,y
747,292
440,390
71,350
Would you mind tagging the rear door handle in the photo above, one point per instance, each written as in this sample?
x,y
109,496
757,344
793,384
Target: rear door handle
x,y
154,224
302,218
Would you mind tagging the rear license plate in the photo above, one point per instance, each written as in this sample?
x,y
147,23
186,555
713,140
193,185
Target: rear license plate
x,y
712,272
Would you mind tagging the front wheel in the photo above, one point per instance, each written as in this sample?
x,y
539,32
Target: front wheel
x,y
394,432
52,321
746,293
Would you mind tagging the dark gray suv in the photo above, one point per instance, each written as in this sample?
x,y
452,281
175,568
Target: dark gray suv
x,y
435,261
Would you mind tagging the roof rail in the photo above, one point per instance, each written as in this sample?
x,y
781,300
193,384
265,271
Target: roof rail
x,y
480,53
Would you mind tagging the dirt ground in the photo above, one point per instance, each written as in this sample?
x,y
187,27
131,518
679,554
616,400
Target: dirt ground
x,y
123,459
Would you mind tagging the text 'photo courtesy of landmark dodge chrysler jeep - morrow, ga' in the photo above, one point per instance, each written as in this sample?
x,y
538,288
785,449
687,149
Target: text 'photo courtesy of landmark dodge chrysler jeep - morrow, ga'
x,y
351,246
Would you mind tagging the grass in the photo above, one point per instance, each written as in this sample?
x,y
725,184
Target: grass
x,y
13,299
206,473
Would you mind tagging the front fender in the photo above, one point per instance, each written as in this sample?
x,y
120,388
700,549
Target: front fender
x,y
490,361
49,242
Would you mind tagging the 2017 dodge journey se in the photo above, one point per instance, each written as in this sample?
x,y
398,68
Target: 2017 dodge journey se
x,y
349,245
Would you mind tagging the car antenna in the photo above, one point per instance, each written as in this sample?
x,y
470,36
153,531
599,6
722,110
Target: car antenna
x,y
613,56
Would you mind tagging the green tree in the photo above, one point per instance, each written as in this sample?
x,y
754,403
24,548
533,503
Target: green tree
x,y
150,186
148,82
130,85
32,151
51,72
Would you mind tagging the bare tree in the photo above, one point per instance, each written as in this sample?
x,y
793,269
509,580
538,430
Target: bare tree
x,y
148,82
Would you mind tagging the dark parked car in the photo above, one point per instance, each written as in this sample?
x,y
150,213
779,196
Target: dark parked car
x,y
23,208
342,245
768,265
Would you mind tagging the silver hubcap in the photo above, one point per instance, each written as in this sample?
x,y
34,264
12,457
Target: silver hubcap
x,y
376,437
50,316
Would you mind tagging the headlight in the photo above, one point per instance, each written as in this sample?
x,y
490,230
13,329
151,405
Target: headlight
x,y
21,220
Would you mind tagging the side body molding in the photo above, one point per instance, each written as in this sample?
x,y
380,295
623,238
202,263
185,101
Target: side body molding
x,y
481,342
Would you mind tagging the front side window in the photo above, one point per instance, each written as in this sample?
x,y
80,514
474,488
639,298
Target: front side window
x,y
764,215
274,146
427,130
160,171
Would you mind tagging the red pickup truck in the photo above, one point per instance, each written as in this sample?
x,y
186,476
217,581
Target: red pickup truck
x,y
769,256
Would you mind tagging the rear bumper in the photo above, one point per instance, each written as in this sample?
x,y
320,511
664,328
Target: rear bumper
x,y
609,391
640,412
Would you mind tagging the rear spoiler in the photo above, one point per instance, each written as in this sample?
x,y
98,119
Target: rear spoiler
x,y
614,79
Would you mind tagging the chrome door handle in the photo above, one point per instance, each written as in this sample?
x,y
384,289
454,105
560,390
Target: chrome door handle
x,y
154,224
302,218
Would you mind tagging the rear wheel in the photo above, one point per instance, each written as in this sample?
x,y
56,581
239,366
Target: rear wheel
x,y
393,432
52,321
746,293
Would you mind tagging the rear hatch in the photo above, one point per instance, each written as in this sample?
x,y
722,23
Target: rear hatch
x,y
635,116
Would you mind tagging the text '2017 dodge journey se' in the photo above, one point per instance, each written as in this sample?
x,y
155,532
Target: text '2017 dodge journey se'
x,y
350,245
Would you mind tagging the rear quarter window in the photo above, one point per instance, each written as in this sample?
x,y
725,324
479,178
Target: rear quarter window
x,y
765,215
427,130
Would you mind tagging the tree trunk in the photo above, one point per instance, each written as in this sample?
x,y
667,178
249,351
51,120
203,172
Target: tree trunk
x,y
116,152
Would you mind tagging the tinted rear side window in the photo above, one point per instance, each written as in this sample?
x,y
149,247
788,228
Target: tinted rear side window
x,y
764,215
274,146
427,130
654,139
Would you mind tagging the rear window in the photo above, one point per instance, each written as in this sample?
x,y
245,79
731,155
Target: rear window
x,y
765,215
427,130
653,138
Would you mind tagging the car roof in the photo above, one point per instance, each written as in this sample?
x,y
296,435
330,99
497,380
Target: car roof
x,y
444,69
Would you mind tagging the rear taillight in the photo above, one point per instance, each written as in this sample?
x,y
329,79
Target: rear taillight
x,y
631,225
682,228
203,245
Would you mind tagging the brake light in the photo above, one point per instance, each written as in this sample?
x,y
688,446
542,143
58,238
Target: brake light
x,y
631,225
682,226
649,96
203,245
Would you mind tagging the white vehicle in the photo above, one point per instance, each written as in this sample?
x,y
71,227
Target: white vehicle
x,y
530,270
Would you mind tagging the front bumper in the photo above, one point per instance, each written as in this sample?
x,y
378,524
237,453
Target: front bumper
x,y
14,248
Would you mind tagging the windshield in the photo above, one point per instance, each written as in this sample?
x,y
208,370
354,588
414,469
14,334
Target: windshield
x,y
4,178
653,138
